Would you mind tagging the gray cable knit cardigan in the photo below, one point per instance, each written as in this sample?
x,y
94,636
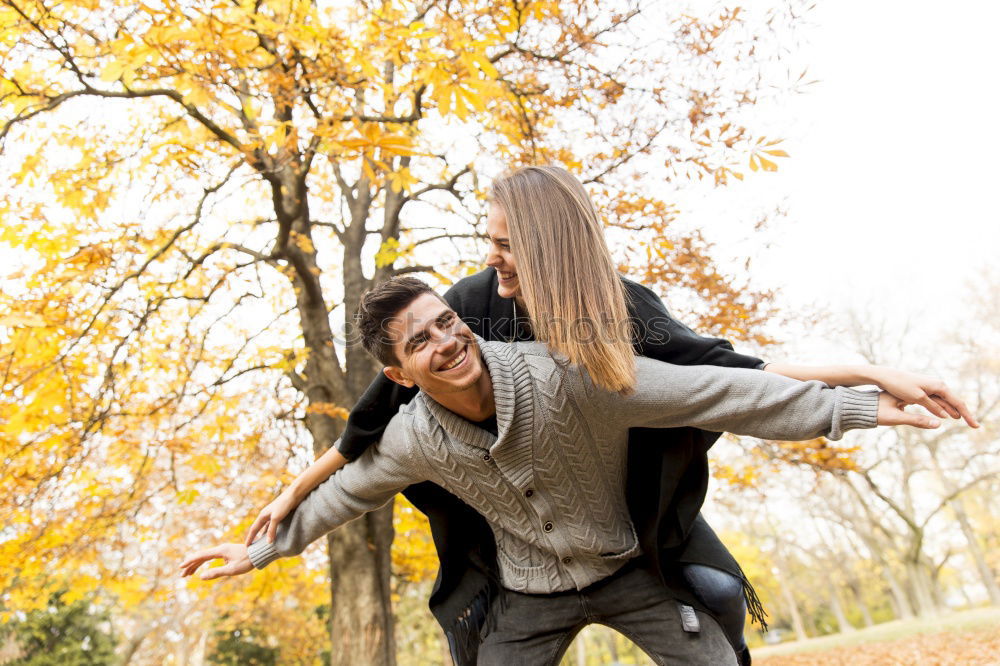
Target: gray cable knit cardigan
x,y
551,484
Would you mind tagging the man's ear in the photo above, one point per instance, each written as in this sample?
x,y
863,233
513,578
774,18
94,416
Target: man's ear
x,y
396,374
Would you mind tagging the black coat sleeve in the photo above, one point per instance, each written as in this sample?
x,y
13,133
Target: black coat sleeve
x,y
371,414
656,334
383,397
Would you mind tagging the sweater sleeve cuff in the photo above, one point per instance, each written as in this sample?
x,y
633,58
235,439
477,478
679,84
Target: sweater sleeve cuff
x,y
855,409
262,553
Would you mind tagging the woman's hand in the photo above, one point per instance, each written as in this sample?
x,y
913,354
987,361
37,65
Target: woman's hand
x,y
929,392
235,555
271,515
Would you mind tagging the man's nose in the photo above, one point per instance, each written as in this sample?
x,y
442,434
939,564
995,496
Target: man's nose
x,y
445,339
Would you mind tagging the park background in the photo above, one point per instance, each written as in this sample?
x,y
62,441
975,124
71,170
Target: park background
x,y
812,182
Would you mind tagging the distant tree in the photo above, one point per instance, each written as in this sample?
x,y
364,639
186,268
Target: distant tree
x,y
63,634
241,647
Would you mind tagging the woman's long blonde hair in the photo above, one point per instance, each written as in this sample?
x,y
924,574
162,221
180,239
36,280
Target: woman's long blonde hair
x,y
569,284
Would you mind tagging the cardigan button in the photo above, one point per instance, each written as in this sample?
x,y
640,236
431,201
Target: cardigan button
x,y
487,457
548,526
529,492
567,560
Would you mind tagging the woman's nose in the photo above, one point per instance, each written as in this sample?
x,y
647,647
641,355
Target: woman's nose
x,y
493,257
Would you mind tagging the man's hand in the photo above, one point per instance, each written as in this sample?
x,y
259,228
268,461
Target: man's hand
x,y
235,555
271,515
890,413
929,392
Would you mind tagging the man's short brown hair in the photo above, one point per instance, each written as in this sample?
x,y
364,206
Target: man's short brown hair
x,y
379,306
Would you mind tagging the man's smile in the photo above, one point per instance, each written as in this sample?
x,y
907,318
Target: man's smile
x,y
455,362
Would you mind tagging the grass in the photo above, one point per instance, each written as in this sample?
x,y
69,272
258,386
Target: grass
x,y
956,622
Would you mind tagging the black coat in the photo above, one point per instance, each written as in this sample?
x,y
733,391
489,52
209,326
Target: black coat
x,y
667,468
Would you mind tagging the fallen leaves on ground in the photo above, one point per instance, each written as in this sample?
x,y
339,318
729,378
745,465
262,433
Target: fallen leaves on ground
x,y
978,648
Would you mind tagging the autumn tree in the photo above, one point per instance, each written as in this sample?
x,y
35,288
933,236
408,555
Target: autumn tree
x,y
898,520
197,193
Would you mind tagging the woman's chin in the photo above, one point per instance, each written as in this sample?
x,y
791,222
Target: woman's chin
x,y
504,291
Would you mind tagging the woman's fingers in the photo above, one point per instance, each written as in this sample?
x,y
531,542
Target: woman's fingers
x,y
272,531
933,406
946,406
945,394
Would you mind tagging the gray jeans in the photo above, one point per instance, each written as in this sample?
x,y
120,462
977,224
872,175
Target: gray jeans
x,y
535,630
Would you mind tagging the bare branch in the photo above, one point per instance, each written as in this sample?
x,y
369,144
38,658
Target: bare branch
x,y
447,186
411,269
958,491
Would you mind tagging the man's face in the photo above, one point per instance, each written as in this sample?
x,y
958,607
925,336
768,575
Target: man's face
x,y
499,256
435,349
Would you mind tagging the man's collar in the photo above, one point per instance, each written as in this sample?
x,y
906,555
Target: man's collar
x,y
512,392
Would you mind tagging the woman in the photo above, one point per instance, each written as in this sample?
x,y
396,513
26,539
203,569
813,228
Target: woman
x,y
551,278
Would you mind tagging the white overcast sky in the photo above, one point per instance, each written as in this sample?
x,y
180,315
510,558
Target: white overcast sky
x,y
891,187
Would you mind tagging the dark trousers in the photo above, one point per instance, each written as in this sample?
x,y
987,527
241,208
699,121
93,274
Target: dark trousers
x,y
535,630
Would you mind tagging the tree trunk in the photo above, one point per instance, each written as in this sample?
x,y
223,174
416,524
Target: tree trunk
x,y
859,598
983,568
922,589
198,657
901,603
793,607
134,642
581,650
361,622
986,574
838,611
612,638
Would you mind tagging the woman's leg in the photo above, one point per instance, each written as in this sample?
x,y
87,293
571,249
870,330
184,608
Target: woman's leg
x,y
722,593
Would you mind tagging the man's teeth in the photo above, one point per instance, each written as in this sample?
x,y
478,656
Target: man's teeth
x,y
455,361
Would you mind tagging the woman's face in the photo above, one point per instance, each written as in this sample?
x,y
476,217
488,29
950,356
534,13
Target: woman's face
x,y
499,257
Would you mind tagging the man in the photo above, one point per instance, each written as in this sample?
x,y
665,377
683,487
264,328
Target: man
x,y
534,446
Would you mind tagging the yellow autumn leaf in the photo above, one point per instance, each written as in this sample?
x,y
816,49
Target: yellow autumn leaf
x,y
22,320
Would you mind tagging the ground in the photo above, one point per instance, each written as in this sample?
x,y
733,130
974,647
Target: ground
x,y
967,638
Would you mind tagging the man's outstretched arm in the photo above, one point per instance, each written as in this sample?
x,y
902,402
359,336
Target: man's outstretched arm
x,y
759,404
910,387
361,486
